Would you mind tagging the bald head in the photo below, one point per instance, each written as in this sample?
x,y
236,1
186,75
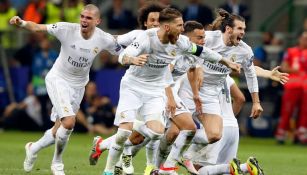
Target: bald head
x,y
93,8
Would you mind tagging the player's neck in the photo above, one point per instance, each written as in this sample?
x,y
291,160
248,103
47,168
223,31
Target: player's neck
x,y
163,37
87,35
226,39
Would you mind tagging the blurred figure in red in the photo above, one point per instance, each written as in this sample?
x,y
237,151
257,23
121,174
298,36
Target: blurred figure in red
x,y
295,91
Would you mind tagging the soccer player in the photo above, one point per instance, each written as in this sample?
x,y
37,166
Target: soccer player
x,y
65,82
148,18
220,157
228,42
143,85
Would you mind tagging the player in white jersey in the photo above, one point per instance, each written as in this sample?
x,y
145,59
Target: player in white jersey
x,y
143,85
148,18
220,157
65,82
228,43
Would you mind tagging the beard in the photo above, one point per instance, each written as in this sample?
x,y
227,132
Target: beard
x,y
173,38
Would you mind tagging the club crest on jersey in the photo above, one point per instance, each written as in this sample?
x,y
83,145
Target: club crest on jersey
x,y
96,50
233,58
122,115
65,109
173,52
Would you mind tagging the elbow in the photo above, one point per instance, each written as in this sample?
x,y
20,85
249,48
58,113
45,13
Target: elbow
x,y
239,100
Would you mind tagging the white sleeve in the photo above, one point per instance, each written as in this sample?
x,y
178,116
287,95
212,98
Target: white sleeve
x,y
141,45
203,52
127,38
59,29
250,74
230,81
113,47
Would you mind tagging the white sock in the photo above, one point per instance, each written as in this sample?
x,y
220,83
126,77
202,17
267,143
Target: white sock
x,y
163,150
45,141
180,144
244,167
215,169
136,148
128,147
151,151
116,149
199,141
62,137
200,137
106,144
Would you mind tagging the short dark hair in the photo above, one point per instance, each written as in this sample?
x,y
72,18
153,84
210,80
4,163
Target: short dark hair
x,y
190,26
225,19
144,12
169,14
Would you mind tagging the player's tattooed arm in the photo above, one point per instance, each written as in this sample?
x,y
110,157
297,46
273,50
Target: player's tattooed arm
x,y
130,60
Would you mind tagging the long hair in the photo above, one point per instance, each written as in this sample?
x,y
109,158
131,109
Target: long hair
x,y
224,19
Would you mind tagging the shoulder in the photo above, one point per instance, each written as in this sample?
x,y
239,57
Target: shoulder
x,y
213,33
245,48
105,36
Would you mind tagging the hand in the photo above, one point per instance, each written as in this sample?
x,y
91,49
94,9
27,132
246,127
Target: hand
x,y
256,110
140,60
279,76
171,108
235,67
198,104
16,20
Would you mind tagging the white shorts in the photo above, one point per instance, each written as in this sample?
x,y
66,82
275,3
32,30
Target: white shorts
x,y
222,151
133,102
209,97
65,98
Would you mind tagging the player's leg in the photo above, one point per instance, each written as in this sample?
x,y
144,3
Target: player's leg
x,y
32,148
187,129
129,103
291,96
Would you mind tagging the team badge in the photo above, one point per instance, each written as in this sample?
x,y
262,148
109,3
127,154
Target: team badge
x,y
233,58
96,50
122,115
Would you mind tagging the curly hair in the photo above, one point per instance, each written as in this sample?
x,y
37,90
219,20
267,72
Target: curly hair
x,y
144,12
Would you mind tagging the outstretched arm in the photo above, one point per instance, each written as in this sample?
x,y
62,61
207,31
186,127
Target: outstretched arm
x,y
273,74
29,25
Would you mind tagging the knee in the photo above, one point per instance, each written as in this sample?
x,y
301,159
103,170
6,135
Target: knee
x,y
154,135
122,135
68,122
137,139
172,135
214,137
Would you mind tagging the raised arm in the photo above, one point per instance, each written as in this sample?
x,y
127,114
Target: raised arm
x,y
273,74
29,25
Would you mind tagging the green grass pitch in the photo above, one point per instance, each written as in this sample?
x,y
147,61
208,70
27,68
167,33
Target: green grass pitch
x,y
275,159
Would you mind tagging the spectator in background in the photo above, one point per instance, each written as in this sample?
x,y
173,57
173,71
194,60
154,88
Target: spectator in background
x,y
35,11
198,12
6,13
295,91
25,115
42,63
260,54
24,55
72,10
235,7
169,4
54,11
120,18
19,5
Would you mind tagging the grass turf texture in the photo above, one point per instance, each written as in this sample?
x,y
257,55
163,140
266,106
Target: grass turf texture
x,y
275,159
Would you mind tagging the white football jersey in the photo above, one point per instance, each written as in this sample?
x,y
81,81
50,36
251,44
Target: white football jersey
x,y
226,105
77,54
215,73
160,55
183,63
127,38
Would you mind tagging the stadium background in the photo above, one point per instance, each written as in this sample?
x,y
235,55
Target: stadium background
x,y
284,18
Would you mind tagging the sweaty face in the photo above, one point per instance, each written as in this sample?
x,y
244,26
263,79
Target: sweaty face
x,y
88,21
237,32
152,20
175,29
197,36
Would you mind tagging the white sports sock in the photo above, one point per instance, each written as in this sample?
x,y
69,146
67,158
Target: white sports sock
x,y
215,169
163,150
128,147
62,137
106,143
45,141
151,151
180,144
244,167
116,149
199,141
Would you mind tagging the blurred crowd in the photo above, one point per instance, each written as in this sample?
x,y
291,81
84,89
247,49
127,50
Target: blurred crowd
x,y
38,53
